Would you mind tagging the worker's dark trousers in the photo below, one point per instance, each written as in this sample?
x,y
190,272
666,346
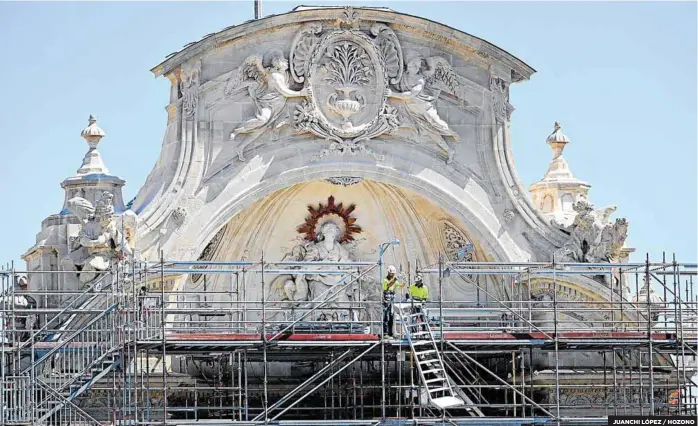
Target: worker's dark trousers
x,y
388,318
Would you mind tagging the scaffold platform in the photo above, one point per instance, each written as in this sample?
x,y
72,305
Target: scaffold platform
x,y
510,360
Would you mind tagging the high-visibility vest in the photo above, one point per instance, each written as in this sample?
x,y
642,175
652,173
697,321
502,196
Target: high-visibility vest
x,y
392,287
421,293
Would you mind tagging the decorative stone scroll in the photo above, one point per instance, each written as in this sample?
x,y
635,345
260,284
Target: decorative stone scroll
x,y
344,180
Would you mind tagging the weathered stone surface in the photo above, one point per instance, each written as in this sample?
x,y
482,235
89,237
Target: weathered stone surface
x,y
399,101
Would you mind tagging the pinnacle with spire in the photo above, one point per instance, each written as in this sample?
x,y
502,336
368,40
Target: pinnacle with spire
x,y
92,162
555,194
93,179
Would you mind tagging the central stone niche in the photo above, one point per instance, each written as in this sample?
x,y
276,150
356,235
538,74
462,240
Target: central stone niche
x,y
339,219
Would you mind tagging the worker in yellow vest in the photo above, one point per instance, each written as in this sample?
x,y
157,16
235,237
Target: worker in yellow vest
x,y
390,286
419,294
418,291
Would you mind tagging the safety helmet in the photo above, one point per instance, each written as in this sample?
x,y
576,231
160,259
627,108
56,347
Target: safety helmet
x,y
418,278
392,269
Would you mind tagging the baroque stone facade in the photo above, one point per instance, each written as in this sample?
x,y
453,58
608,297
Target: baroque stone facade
x,y
357,92
407,128
346,128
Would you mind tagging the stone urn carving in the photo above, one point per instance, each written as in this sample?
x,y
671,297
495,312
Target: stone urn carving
x,y
345,106
347,68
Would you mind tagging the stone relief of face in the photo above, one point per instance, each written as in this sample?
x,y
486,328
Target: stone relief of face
x,y
414,66
279,63
330,232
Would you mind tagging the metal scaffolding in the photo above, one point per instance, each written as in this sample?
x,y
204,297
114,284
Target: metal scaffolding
x,y
136,347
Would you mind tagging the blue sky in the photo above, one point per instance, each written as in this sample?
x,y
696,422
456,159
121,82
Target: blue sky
x,y
619,77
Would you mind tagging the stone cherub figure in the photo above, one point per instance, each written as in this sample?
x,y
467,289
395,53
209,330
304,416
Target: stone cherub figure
x,y
100,240
267,82
419,91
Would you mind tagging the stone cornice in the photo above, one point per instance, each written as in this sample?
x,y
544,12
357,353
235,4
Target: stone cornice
x,y
462,43
37,251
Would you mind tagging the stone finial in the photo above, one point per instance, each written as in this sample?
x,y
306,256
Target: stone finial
x,y
92,163
92,133
557,140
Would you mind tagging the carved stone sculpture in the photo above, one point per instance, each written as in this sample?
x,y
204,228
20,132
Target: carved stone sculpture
x,y
319,286
348,71
418,89
328,233
189,86
267,82
345,78
593,237
500,99
100,240
178,215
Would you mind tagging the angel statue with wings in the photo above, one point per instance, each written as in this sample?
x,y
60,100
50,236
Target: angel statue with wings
x,y
100,239
419,90
267,82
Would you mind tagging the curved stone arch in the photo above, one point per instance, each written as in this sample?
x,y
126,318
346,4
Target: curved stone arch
x,y
190,241
580,289
454,37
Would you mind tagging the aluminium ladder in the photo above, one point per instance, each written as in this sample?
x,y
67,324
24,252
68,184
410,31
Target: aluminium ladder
x,y
427,357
